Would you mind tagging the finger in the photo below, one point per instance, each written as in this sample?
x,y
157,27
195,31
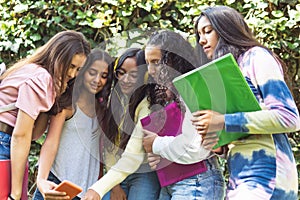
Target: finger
x,y
202,120
198,113
148,133
153,165
153,156
58,196
154,161
147,146
211,135
55,193
209,145
151,159
210,142
202,126
202,132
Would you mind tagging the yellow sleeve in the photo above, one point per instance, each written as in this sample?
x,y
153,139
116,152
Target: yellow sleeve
x,y
130,160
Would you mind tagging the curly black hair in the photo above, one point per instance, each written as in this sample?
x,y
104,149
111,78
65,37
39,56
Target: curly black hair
x,y
177,57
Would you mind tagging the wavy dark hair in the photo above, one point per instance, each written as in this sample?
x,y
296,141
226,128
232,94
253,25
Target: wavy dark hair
x,y
117,111
76,85
235,36
177,57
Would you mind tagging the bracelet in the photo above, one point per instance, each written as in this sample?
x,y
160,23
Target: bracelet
x,y
9,196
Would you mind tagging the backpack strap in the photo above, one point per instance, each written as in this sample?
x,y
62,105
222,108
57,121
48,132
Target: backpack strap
x,y
8,107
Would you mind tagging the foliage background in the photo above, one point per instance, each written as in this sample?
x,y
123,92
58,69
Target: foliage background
x,y
117,24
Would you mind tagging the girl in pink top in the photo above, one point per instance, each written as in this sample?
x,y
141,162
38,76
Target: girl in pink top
x,y
33,85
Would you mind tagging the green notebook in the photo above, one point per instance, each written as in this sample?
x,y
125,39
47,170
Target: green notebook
x,y
220,86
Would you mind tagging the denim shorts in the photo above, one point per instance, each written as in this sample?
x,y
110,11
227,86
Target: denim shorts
x,y
5,146
208,185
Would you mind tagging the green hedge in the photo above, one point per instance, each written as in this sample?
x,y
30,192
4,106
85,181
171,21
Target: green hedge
x,y
115,25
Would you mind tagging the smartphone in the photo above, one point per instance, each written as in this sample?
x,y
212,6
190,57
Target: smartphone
x,y
70,188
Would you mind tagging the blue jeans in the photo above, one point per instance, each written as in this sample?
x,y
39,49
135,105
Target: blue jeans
x,y
38,195
5,140
4,146
208,185
139,186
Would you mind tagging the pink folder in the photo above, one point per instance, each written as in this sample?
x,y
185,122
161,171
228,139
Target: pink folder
x,y
5,180
168,122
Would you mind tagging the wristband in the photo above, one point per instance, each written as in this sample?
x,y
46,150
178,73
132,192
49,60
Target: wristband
x,y
9,196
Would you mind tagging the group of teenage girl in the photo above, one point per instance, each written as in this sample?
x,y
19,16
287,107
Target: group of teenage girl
x,y
91,105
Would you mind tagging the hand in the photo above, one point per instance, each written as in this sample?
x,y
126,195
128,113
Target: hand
x,y
210,140
153,160
117,193
207,121
222,151
218,150
91,195
47,190
148,140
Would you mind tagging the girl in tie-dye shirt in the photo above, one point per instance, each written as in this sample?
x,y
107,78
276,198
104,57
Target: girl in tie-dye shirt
x,y
262,165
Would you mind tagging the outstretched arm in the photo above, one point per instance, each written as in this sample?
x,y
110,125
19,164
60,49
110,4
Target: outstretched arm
x,y
48,153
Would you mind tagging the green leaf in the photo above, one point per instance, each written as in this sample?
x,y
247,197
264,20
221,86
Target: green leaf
x,y
57,19
125,21
126,13
111,2
277,13
261,5
97,23
20,8
35,37
89,13
165,23
16,45
229,2
193,11
151,18
146,6
292,45
80,14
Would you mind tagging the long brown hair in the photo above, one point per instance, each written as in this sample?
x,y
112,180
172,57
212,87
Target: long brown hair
x,y
235,36
56,56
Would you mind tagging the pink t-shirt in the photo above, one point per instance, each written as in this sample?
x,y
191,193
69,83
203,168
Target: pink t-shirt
x,y
31,87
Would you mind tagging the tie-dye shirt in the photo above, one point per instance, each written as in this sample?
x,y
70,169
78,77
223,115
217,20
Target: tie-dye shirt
x,y
262,165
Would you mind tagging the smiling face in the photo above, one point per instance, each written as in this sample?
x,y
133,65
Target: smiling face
x,y
127,75
153,57
96,76
208,37
76,64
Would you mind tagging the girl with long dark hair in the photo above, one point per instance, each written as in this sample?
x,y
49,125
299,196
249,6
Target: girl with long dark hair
x,y
260,163
71,150
128,174
169,55
30,88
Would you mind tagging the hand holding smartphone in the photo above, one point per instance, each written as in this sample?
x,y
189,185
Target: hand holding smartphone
x,y
70,188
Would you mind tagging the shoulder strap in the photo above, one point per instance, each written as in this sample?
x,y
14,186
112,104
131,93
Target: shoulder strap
x,y
8,107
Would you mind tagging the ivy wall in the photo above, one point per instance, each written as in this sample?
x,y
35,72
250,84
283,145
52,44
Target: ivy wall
x,y
115,25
